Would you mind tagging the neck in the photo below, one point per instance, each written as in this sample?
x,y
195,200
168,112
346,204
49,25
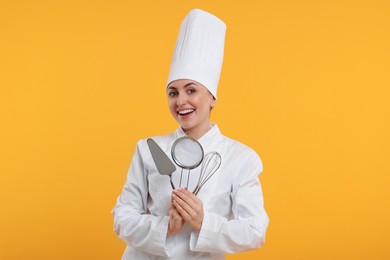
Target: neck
x,y
198,132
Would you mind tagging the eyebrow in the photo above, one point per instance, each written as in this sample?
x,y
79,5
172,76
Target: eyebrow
x,y
185,86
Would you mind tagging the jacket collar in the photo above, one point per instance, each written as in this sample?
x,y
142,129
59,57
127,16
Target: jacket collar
x,y
210,137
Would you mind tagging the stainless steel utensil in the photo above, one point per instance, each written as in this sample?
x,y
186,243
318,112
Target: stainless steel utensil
x,y
211,163
161,160
187,153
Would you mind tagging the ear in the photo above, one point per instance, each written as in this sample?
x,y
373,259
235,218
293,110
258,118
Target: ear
x,y
213,102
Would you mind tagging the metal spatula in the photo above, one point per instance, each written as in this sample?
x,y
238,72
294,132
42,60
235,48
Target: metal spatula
x,y
163,163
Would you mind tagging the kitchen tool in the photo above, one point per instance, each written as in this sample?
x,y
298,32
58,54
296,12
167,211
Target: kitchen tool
x,y
187,153
163,163
211,163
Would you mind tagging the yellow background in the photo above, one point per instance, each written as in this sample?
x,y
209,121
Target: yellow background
x,y
305,83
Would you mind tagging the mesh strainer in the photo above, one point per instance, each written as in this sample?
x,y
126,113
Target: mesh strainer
x,y
187,153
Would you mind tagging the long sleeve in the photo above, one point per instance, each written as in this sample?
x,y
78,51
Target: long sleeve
x,y
246,229
132,222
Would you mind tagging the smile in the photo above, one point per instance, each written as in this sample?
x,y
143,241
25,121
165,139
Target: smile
x,y
185,112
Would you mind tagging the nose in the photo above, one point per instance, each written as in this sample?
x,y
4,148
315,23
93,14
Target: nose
x,y
181,100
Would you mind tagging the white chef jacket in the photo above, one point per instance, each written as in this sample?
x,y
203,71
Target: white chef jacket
x,y
234,216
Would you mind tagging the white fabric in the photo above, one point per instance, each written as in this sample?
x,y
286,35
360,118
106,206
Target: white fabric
x,y
198,53
234,215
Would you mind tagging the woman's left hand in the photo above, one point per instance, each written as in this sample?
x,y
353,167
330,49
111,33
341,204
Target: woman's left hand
x,y
190,207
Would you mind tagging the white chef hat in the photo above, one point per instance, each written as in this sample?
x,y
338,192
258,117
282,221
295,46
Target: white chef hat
x,y
198,53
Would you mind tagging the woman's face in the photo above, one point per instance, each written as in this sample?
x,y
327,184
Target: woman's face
x,y
190,104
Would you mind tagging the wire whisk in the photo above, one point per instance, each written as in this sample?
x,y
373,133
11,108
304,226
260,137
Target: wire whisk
x,y
211,163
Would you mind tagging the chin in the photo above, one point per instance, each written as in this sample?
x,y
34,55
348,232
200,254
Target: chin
x,y
186,126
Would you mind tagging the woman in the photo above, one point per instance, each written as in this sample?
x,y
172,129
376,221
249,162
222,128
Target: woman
x,y
227,215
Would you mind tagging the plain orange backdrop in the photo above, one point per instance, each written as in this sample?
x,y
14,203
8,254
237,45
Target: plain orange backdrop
x,y
304,83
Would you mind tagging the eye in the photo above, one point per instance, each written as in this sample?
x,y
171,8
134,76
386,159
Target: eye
x,y
172,93
191,90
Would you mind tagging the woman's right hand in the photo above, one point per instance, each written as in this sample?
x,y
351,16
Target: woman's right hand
x,y
176,222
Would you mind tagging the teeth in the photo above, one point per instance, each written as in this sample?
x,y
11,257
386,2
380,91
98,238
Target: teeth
x,y
182,112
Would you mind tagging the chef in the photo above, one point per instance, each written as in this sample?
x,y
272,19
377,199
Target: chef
x,y
227,215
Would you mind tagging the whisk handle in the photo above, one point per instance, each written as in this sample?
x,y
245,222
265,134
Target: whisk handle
x,y
197,189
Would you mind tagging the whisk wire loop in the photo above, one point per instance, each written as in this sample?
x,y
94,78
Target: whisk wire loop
x,y
211,163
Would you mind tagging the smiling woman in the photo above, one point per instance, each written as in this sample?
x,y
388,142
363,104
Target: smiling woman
x,y
225,216
190,104
304,83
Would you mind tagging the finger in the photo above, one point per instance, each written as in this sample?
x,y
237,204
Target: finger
x,y
191,195
183,213
173,211
190,199
194,221
183,208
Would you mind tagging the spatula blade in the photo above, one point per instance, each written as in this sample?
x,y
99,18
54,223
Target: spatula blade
x,y
164,165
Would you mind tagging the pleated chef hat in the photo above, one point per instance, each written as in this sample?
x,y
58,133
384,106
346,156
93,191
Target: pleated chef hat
x,y
198,53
